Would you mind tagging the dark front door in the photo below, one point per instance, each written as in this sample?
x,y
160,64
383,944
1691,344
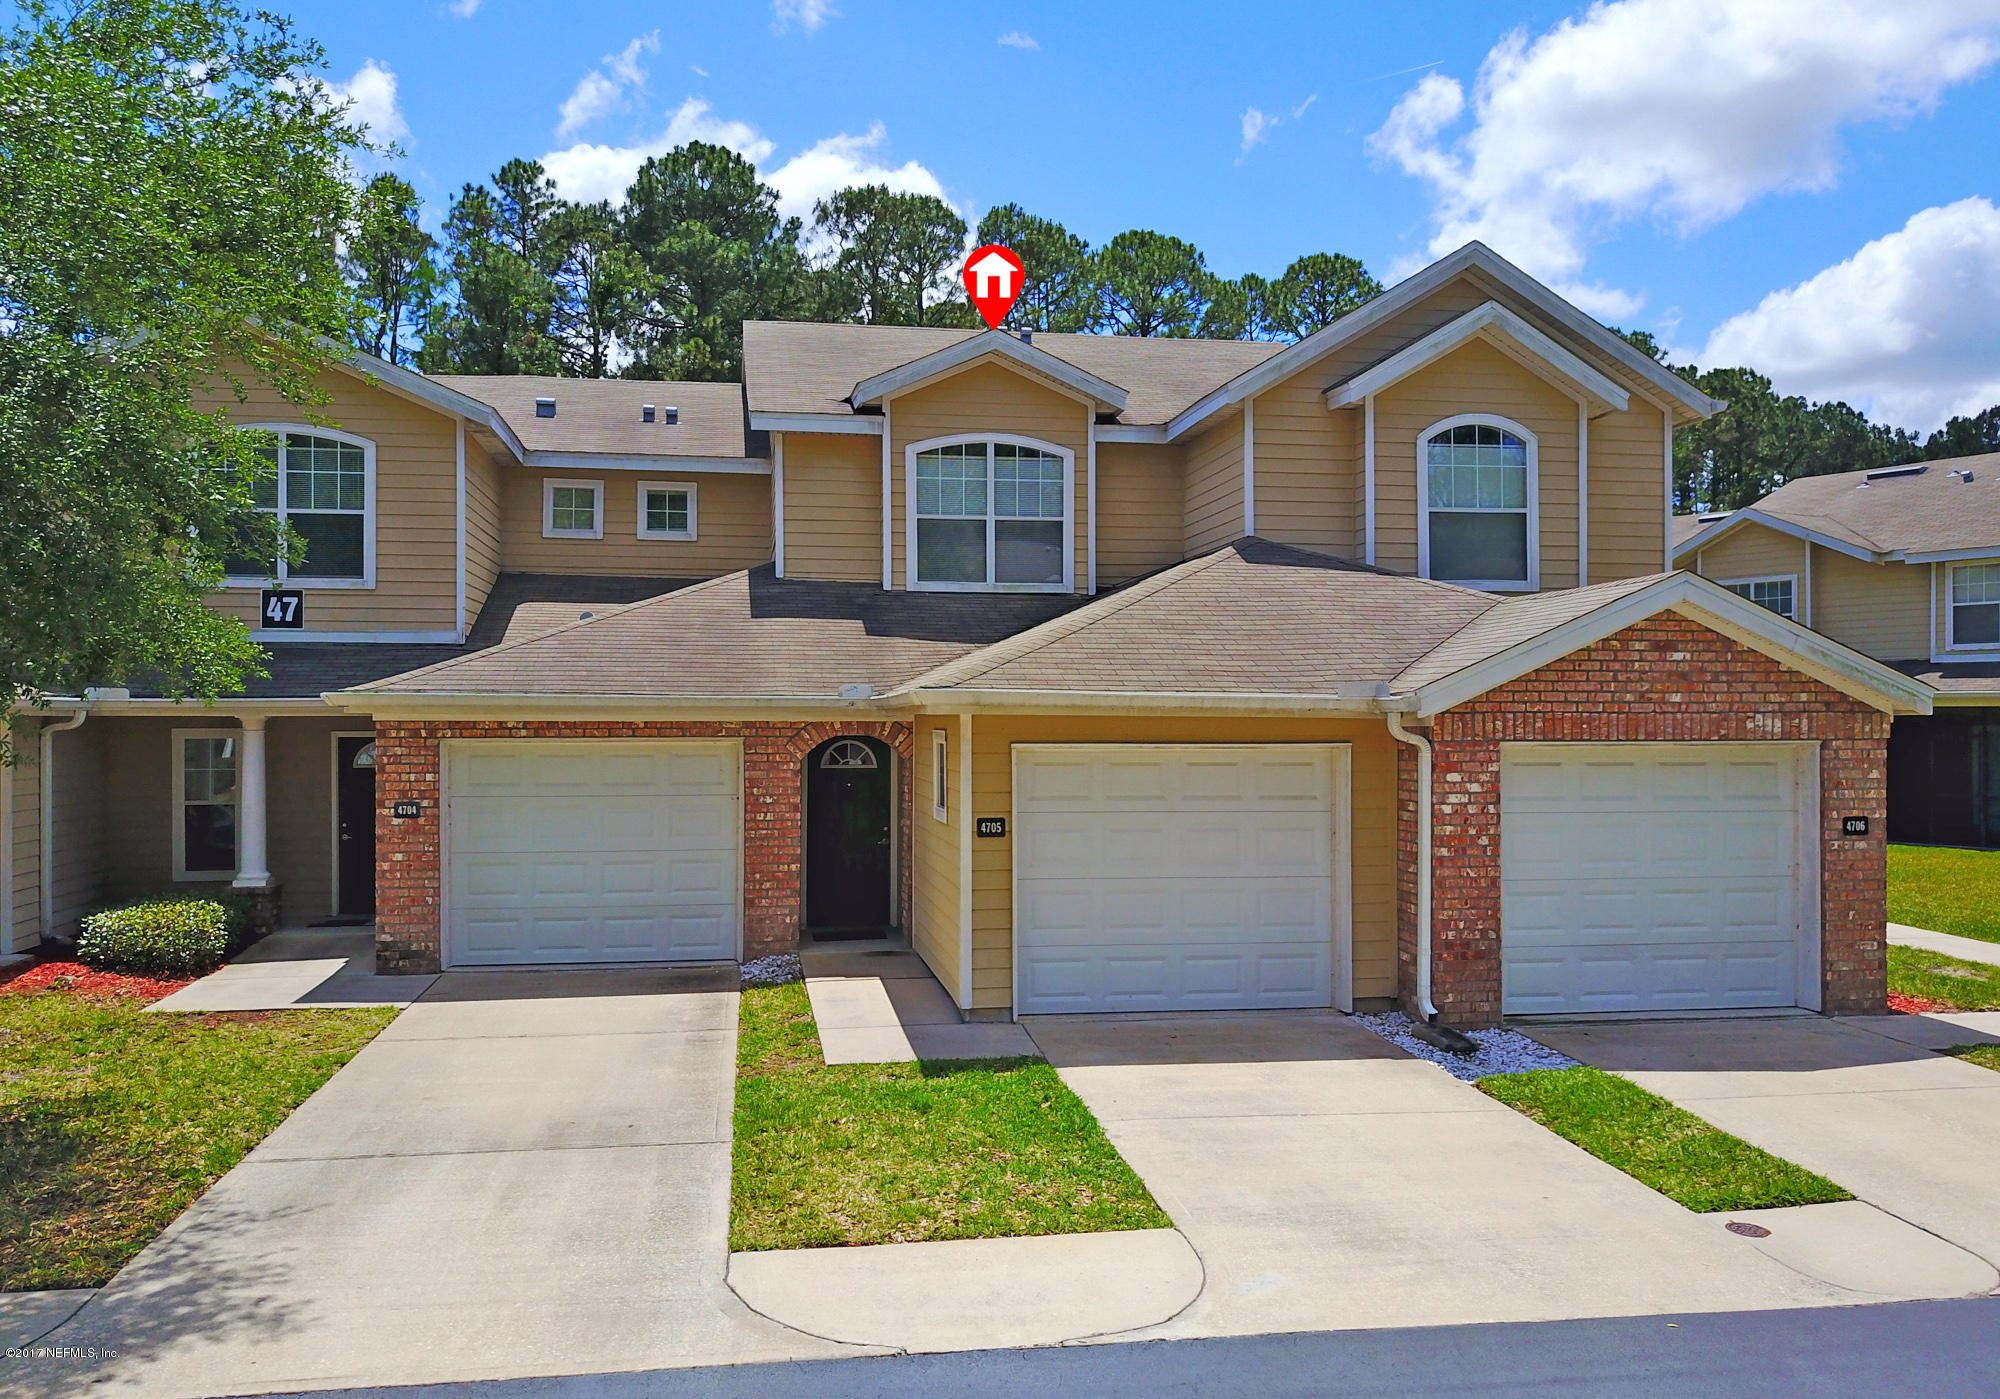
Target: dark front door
x,y
354,821
848,820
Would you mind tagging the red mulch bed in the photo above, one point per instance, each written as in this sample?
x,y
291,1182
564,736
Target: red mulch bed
x,y
1914,1005
79,980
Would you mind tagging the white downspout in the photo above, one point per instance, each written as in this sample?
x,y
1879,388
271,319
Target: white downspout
x,y
47,853
1423,747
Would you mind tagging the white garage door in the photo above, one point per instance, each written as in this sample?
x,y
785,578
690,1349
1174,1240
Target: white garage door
x,y
580,851
1650,876
1173,878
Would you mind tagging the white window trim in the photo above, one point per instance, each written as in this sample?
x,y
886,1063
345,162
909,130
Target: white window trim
x,y
182,874
1497,585
910,453
670,534
284,576
549,484
1791,578
1951,642
940,776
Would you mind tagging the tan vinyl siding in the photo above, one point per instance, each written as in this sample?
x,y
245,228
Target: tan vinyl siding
x,y
1943,632
1882,610
1213,509
1307,467
1475,378
300,813
416,510
732,525
833,507
936,854
1139,510
1373,834
76,863
1628,493
985,397
24,836
1753,551
482,526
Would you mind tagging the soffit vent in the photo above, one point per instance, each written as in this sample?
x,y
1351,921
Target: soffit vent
x,y
545,407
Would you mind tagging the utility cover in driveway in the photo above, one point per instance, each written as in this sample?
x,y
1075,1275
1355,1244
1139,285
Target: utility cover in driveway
x,y
1152,877
592,851
1650,876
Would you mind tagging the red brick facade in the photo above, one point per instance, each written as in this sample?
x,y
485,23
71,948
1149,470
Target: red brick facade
x,y
409,876
1664,679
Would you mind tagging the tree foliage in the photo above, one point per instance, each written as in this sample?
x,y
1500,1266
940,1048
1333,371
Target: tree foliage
x,y
173,178
387,259
896,253
1060,291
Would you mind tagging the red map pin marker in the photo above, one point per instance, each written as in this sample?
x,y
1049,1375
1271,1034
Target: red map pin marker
x,y
993,278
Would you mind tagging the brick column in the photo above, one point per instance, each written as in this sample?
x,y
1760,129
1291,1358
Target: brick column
x,y
408,876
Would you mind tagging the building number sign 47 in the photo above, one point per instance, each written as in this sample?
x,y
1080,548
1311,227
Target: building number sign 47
x,y
283,609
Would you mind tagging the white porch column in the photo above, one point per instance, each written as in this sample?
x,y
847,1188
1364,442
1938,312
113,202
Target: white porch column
x,y
251,870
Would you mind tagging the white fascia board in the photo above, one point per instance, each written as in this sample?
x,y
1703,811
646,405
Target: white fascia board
x,y
1108,397
721,708
848,423
1412,289
604,461
1132,432
412,385
1713,606
1353,699
197,708
1953,699
360,638
1991,551
1491,320
1751,515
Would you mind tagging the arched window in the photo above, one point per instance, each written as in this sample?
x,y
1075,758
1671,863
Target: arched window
x,y
364,756
848,753
989,513
322,484
1477,511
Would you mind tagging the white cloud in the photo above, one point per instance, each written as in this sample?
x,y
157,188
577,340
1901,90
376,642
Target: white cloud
x,y
370,96
1678,110
806,14
841,162
1300,110
603,88
1015,39
697,70
465,9
1909,326
1256,130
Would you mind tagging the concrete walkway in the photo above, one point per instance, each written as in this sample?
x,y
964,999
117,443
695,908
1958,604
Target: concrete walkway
x,y
1913,1133
1328,1181
877,1003
526,1174
1950,944
299,967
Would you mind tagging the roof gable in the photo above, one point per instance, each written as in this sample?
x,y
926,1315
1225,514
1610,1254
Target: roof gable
x,y
1928,510
1499,327
992,346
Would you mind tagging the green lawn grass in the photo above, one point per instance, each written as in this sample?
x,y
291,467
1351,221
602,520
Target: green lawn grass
x,y
113,1121
898,1153
1658,1144
1947,891
1951,982
1987,1056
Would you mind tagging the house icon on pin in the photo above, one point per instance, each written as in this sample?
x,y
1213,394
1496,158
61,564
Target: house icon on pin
x,y
993,276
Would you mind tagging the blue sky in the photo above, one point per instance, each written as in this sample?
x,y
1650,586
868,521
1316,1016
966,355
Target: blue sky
x,y
1804,184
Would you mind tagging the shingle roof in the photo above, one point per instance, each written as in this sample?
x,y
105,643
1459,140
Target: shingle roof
x,y
603,415
806,367
1931,510
1510,621
1686,527
1960,678
747,635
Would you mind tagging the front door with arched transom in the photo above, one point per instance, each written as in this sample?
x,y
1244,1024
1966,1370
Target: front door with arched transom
x,y
849,825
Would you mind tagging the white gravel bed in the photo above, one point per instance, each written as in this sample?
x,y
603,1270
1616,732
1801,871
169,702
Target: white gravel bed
x,y
774,971
1500,1051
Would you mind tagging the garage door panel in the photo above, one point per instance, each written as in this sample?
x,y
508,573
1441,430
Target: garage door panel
x,y
1658,878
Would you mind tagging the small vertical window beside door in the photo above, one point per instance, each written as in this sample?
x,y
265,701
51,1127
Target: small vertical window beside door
x,y
572,509
204,805
1975,605
940,776
666,510
322,484
1779,595
1477,518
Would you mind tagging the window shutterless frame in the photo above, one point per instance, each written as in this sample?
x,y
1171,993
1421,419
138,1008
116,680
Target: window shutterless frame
x,y
988,440
283,572
940,776
666,510
1766,589
559,503
1972,606
1533,582
206,791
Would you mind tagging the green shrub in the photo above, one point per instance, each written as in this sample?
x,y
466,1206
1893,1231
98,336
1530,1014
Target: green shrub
x,y
163,937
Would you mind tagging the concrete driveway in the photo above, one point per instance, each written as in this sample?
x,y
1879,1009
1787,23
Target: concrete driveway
x,y
1914,1133
526,1174
1328,1180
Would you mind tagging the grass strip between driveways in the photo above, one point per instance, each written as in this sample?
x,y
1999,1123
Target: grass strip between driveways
x,y
1949,982
1987,1056
1657,1144
1945,890
828,1155
113,1121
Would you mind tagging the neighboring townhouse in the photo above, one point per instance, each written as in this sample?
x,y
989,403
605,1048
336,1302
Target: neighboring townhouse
x,y
1902,563
1116,674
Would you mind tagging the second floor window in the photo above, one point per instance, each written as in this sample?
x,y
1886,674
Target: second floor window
x,y
1776,594
1477,490
319,485
989,514
572,509
666,510
1975,605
